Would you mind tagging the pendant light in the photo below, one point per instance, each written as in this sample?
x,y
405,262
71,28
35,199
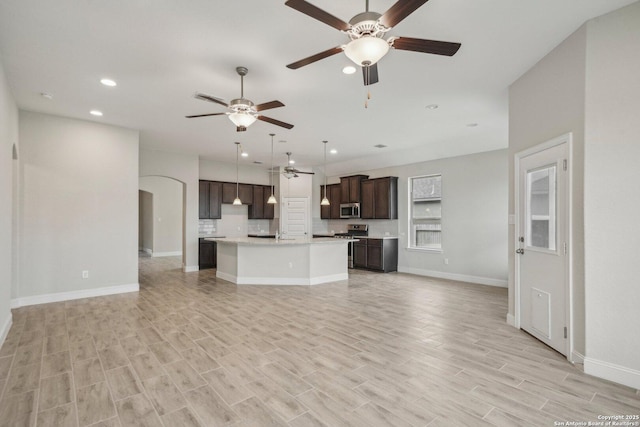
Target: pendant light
x,y
237,200
272,199
325,201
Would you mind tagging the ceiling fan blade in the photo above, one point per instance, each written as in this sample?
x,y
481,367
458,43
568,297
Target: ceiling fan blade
x,y
306,173
317,13
370,74
205,115
400,10
269,105
426,46
209,98
317,57
275,122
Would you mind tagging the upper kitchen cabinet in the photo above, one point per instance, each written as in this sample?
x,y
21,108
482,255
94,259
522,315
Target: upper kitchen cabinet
x,y
259,208
245,192
210,200
333,194
350,188
379,198
269,209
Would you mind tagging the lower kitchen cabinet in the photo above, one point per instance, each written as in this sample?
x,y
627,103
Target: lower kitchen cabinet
x,y
376,254
207,254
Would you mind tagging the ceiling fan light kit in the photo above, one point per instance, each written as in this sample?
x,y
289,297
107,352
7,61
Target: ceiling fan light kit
x,y
366,50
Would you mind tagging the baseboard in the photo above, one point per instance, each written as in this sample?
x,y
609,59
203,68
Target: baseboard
x,y
577,357
278,281
67,296
612,372
190,268
147,251
161,254
453,276
6,326
511,320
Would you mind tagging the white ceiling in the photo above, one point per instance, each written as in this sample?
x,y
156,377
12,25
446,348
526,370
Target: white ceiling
x,y
161,52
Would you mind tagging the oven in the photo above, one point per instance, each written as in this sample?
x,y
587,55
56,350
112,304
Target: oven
x,y
353,232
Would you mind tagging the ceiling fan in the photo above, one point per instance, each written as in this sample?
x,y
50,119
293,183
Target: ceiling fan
x,y
366,30
242,112
290,171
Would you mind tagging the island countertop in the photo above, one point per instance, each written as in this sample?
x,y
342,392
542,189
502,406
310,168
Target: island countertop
x,y
258,241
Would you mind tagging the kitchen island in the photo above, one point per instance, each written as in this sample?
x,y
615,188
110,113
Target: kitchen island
x,y
304,261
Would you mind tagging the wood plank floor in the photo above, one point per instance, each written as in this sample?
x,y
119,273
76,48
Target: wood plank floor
x,y
378,349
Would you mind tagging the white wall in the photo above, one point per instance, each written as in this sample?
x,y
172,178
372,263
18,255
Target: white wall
x,y
544,103
167,214
183,168
474,218
248,172
79,208
612,196
8,137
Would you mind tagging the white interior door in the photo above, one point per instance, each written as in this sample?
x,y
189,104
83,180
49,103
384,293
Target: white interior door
x,y
294,217
542,245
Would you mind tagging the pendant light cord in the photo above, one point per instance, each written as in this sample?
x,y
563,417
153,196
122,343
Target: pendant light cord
x,y
237,184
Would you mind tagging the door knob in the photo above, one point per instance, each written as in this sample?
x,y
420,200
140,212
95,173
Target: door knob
x,y
520,251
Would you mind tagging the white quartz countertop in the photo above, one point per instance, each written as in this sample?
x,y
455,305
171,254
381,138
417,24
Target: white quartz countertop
x,y
257,241
212,236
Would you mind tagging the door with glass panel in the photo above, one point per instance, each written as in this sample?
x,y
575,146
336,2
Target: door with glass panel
x,y
541,249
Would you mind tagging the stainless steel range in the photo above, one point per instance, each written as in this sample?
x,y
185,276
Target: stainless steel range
x,y
353,231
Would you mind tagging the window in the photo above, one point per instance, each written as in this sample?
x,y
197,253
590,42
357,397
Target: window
x,y
425,198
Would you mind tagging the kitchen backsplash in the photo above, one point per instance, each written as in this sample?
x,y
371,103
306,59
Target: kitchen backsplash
x,y
377,227
234,223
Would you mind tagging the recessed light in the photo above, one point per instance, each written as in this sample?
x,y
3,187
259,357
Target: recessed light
x,y
244,154
380,146
108,82
432,106
472,125
291,162
46,95
349,69
333,151
96,113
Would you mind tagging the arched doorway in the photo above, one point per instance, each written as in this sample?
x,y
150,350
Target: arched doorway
x,y
161,217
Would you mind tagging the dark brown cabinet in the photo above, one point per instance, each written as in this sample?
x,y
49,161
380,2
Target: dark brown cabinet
x,y
269,209
333,194
207,254
350,188
379,198
210,200
245,192
376,254
259,208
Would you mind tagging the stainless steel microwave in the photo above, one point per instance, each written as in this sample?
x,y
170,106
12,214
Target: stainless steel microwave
x,y
350,210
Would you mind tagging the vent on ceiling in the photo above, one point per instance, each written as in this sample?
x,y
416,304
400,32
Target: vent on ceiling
x,y
380,146
257,162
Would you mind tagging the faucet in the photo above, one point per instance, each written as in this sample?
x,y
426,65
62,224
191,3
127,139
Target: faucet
x,y
277,235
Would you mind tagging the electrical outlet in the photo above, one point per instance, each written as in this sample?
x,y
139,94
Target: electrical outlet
x,y
85,274
446,261
290,265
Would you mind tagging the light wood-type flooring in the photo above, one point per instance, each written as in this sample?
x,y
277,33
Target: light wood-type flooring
x,y
380,349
